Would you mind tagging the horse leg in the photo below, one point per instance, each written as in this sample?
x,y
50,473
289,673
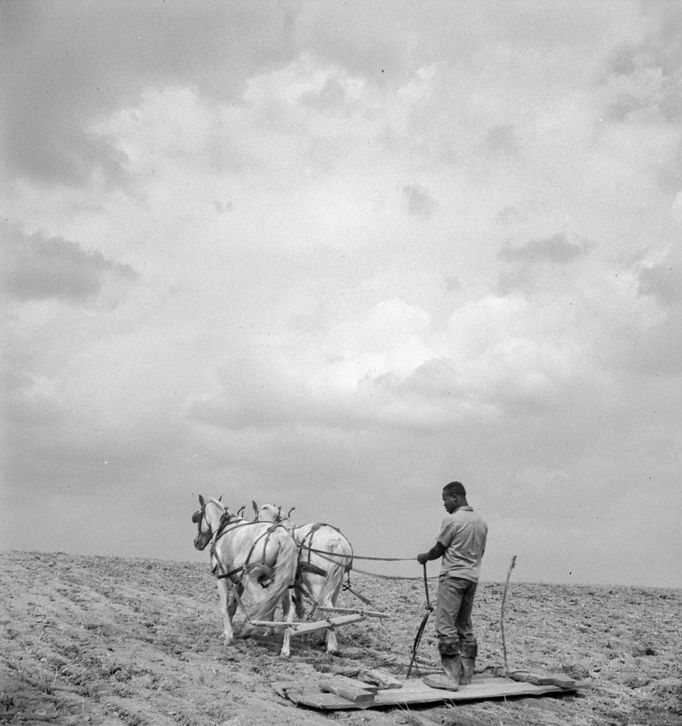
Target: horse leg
x,y
299,602
237,591
332,642
315,585
252,588
298,593
224,595
288,617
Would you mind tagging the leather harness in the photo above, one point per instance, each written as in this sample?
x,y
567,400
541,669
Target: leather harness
x,y
307,544
223,530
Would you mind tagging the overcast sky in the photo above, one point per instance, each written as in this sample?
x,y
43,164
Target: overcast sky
x,y
334,255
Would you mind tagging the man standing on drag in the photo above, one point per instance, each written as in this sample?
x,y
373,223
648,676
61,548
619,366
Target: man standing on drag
x,y
461,544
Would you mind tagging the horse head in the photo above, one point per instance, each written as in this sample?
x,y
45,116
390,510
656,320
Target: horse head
x,y
207,520
267,512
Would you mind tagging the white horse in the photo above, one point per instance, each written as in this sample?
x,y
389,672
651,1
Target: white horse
x,y
324,556
258,558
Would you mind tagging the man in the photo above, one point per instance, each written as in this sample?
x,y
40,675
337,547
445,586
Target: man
x,y
461,544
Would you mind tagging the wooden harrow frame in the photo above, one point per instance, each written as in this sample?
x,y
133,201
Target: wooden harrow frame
x,y
350,615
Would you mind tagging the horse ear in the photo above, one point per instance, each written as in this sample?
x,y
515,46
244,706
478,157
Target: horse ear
x,y
201,500
255,506
220,498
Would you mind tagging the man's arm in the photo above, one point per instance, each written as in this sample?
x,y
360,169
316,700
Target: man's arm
x,y
433,554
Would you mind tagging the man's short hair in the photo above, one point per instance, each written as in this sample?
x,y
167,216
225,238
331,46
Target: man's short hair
x,y
455,487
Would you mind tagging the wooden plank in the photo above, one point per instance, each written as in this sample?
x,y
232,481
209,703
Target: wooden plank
x,y
528,677
542,679
340,679
314,697
339,686
379,678
416,692
301,628
369,613
564,681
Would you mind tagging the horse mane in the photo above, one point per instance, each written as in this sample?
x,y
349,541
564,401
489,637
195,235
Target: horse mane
x,y
217,502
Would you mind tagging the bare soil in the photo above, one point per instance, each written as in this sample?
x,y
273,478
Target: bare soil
x,y
104,640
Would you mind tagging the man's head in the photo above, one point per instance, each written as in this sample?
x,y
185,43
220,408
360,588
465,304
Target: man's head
x,y
454,496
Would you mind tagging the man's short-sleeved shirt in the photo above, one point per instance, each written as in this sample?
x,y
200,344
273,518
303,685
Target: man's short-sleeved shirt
x,y
463,534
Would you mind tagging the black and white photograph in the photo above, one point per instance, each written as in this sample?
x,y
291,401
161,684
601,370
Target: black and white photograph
x,y
341,362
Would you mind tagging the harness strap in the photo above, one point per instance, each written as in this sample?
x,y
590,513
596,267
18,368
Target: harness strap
x,y
220,532
223,526
248,565
307,544
309,538
227,574
267,534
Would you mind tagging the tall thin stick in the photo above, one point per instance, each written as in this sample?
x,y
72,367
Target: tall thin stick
x,y
504,597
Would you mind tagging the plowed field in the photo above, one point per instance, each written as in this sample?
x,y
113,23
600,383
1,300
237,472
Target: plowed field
x,y
102,640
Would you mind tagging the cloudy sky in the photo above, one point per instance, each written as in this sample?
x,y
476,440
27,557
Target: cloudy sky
x,y
334,255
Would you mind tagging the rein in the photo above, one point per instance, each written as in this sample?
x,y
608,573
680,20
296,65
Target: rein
x,y
359,557
326,554
310,549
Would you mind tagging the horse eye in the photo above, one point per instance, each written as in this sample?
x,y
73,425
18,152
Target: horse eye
x,y
196,517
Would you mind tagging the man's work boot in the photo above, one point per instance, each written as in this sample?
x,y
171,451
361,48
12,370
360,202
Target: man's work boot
x,y
469,653
450,660
450,677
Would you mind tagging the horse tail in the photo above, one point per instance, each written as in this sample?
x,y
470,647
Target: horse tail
x,y
283,576
338,563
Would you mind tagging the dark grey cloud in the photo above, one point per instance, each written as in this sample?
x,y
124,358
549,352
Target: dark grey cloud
x,y
419,201
452,283
24,406
556,249
519,278
645,81
649,73
658,350
38,268
663,281
222,207
66,64
509,215
528,260
501,141
384,40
